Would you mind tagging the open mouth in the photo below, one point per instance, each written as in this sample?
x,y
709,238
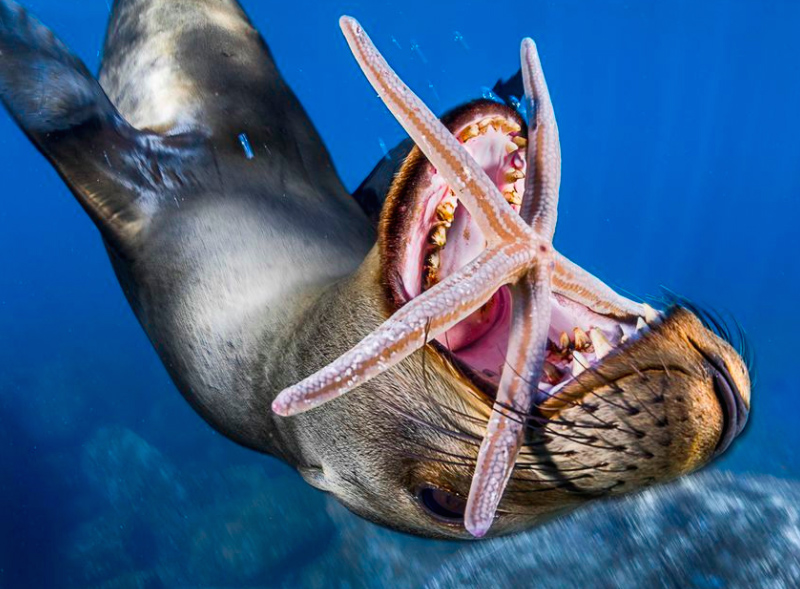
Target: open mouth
x,y
452,281
440,238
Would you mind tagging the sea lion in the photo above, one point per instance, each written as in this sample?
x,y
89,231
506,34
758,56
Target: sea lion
x,y
250,267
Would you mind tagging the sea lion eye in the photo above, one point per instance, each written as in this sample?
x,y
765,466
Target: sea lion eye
x,y
441,504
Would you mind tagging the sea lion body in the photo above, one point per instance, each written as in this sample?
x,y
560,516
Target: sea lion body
x,y
250,266
218,277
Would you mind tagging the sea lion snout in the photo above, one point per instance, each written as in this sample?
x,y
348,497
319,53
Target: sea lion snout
x,y
673,400
730,380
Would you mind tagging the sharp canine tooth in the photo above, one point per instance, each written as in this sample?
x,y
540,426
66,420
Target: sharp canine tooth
x,y
650,314
517,161
581,339
579,363
602,347
511,147
521,141
514,175
563,341
640,324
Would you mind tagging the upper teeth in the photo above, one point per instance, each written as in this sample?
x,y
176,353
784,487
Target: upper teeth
x,y
513,172
650,314
468,133
582,340
446,210
563,341
602,347
579,363
438,236
497,123
512,197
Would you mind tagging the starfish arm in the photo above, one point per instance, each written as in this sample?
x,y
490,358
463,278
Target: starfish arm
x,y
419,321
515,396
540,201
583,287
467,179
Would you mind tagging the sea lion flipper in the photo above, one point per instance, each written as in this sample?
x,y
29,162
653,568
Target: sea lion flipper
x,y
64,111
171,66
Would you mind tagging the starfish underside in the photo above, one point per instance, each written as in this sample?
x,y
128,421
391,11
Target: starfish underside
x,y
519,253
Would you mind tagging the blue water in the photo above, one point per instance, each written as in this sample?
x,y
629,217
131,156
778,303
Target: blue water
x,y
680,132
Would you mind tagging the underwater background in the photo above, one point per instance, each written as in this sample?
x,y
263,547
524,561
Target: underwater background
x,y
680,131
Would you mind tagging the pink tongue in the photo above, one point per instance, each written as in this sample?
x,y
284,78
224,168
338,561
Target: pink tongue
x,y
465,242
475,326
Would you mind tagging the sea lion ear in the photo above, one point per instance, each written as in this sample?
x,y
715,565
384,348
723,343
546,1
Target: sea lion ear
x,y
108,165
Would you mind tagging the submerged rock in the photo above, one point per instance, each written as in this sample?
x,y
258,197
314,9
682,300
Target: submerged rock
x,y
128,471
161,526
260,525
710,530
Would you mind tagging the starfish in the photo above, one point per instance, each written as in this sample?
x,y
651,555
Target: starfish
x,y
519,253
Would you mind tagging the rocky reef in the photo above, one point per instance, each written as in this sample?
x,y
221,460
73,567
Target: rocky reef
x,y
258,525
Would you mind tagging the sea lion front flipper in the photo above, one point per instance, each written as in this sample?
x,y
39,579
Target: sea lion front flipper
x,y
108,165
174,65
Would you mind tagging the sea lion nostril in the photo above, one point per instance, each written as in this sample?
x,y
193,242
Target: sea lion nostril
x,y
734,410
725,395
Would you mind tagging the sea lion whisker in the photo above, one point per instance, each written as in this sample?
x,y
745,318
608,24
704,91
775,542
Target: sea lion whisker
x,y
581,378
444,411
442,451
542,423
453,411
551,467
657,396
580,403
460,435
563,483
635,395
437,460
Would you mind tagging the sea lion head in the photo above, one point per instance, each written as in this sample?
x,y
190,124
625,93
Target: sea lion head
x,y
657,400
625,396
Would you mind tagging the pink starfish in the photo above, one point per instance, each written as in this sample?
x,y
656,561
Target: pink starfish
x,y
519,253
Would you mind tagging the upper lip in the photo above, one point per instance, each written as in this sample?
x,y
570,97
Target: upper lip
x,y
734,410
